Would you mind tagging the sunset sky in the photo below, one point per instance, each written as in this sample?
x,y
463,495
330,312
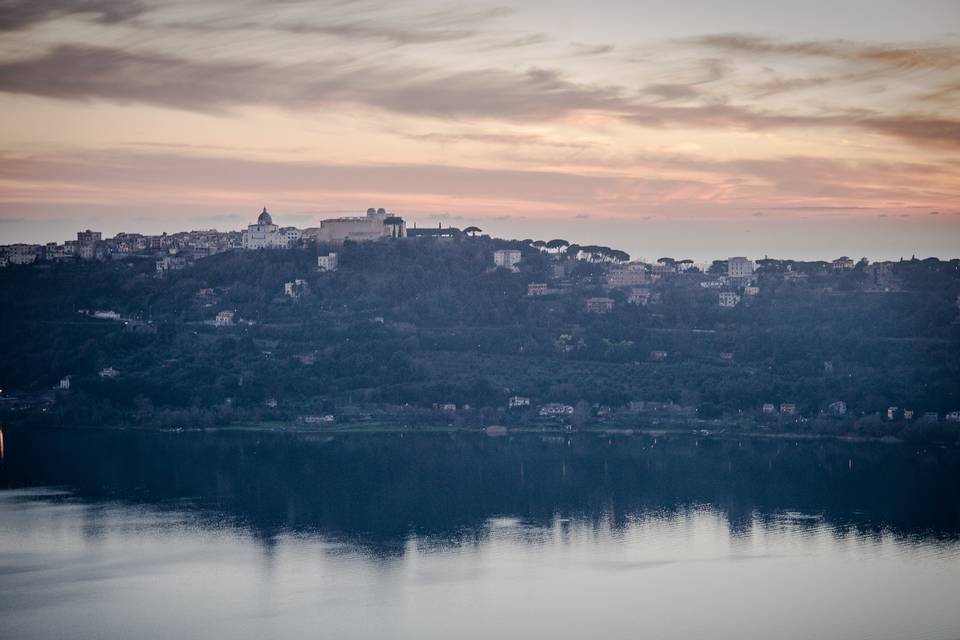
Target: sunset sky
x,y
802,129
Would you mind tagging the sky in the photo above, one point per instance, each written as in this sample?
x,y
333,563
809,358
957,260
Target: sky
x,y
690,128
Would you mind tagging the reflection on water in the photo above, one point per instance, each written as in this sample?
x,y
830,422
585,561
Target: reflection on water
x,y
118,535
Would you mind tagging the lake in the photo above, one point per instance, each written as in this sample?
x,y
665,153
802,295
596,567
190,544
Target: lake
x,y
126,534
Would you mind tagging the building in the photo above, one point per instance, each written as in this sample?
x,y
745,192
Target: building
x,y
438,231
506,258
627,275
729,299
554,409
658,355
89,237
639,296
22,253
769,409
537,288
87,242
264,234
751,290
838,408
739,267
108,372
952,416
599,305
171,263
375,225
328,262
296,288
224,319
788,409
518,401
726,356
843,263
291,236
64,383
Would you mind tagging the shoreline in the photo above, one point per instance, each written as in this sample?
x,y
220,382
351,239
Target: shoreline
x,y
384,429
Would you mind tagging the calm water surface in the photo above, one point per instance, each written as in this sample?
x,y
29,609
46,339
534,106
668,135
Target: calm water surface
x,y
151,535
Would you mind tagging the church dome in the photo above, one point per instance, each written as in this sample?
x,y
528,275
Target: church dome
x,y
264,217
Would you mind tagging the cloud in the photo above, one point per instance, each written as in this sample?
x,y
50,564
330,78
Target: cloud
x,y
581,49
897,57
73,72
516,43
19,14
379,23
672,91
119,75
495,138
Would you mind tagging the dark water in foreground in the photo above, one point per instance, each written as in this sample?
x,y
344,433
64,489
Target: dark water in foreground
x,y
239,535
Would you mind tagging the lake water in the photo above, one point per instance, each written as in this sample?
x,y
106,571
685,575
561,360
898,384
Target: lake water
x,y
240,535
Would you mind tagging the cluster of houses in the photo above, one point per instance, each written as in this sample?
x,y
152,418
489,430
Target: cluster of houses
x,y
173,251
178,250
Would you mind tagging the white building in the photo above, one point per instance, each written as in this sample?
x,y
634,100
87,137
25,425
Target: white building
x,y
224,319
64,383
729,299
556,409
375,225
291,236
639,296
506,258
518,401
295,289
739,267
751,290
537,289
108,372
264,234
328,262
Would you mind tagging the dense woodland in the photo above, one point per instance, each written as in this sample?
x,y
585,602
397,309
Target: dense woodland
x,y
405,325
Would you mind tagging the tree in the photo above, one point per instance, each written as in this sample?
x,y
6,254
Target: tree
x,y
557,244
619,256
472,231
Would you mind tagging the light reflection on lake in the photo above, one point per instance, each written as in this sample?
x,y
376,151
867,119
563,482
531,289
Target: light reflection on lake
x,y
149,536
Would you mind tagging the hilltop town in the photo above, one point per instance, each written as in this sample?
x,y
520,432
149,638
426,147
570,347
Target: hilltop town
x,y
364,322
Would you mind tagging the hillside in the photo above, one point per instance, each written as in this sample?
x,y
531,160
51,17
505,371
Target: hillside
x,y
427,331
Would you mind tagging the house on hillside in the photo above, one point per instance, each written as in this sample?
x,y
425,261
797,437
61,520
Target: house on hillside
x,y
599,305
506,258
224,319
328,262
555,409
728,299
